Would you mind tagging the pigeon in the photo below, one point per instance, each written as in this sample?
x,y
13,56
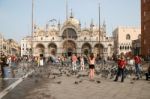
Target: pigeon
x,y
80,81
98,81
134,78
68,75
131,82
59,82
36,81
54,77
75,82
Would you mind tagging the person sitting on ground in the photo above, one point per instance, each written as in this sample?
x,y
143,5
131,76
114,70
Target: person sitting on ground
x,y
147,74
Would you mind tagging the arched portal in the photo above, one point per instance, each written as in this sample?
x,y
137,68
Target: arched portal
x,y
69,47
40,49
52,49
86,49
69,33
98,49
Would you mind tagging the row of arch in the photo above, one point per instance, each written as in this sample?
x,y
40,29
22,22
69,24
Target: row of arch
x,y
69,47
125,47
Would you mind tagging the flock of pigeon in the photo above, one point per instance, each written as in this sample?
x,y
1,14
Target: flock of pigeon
x,y
53,71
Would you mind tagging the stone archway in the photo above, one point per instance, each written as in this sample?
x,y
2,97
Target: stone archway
x,y
52,49
69,47
69,33
98,50
40,49
86,49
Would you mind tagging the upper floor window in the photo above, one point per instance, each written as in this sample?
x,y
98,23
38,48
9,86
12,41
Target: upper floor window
x,y
128,37
96,38
144,27
144,13
69,33
139,36
53,38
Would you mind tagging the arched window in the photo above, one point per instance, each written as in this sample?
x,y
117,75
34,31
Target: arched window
x,y
125,47
120,48
139,36
69,33
128,48
128,37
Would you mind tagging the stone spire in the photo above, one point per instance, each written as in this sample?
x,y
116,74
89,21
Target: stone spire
x,y
104,26
59,25
71,14
91,25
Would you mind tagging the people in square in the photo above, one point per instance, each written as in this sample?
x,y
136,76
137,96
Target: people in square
x,y
82,62
74,62
121,68
91,66
137,60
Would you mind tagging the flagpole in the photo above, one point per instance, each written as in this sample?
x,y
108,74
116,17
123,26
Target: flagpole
x,y
99,29
32,28
67,29
66,9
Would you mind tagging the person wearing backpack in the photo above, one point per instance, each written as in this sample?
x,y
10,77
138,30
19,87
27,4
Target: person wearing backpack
x,y
137,61
121,68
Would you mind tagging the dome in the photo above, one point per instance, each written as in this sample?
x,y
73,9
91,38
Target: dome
x,y
72,21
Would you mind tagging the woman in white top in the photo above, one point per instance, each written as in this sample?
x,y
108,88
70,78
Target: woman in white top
x,y
82,62
91,66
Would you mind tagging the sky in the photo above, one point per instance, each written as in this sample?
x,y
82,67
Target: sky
x,y
15,15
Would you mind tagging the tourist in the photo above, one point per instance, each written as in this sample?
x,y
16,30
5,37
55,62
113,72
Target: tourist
x,y
91,66
9,60
3,60
121,68
74,62
41,61
82,62
137,61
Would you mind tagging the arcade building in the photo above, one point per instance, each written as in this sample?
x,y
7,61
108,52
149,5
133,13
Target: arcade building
x,y
68,38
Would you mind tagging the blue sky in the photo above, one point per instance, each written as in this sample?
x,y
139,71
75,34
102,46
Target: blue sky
x,y
15,15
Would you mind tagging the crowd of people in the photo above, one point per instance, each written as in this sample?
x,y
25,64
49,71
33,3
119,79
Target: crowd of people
x,y
81,60
7,61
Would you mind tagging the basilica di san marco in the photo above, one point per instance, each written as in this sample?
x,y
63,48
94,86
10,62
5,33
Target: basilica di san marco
x,y
70,38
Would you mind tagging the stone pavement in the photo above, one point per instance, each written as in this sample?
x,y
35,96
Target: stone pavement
x,y
56,82
80,88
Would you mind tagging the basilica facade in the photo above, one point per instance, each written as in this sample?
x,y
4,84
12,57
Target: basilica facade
x,y
69,37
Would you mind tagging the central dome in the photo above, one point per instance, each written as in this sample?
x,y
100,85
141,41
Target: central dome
x,y
72,21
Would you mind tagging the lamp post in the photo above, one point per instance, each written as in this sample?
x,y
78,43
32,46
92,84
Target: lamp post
x,y
99,29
